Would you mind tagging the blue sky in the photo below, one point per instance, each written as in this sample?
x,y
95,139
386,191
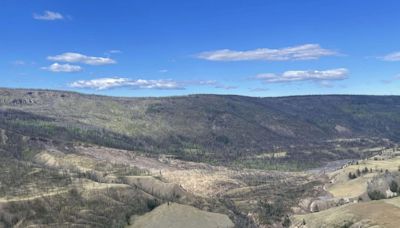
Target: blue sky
x,y
160,48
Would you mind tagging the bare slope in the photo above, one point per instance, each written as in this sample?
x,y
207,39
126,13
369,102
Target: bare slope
x,y
181,216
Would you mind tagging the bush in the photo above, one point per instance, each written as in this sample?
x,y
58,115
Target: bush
x,y
352,176
376,195
286,221
394,187
347,224
222,139
152,203
272,211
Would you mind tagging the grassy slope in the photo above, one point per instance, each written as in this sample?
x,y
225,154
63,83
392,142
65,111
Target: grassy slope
x,y
365,213
346,188
181,216
382,213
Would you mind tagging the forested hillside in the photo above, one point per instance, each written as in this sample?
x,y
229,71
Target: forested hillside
x,y
210,128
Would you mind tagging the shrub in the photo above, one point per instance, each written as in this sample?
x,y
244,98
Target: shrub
x,y
286,222
222,139
347,224
152,203
352,175
394,187
272,211
376,195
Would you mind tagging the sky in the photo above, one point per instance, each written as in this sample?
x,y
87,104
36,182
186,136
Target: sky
x,y
167,48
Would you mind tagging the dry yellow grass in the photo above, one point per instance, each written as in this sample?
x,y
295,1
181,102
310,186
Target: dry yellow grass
x,y
350,188
181,216
204,182
345,188
389,164
382,213
92,185
32,197
81,184
57,159
156,187
394,201
281,154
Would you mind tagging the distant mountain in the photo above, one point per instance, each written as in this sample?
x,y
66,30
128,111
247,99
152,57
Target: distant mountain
x,y
211,128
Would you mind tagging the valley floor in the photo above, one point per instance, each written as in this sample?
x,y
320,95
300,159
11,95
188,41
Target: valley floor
x,y
71,189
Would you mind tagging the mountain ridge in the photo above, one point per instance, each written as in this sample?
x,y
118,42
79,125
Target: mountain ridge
x,y
210,128
191,94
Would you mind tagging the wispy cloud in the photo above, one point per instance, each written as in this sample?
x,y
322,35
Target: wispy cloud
x,y
391,80
226,87
18,63
163,71
392,57
115,51
48,16
258,89
302,52
67,68
160,84
72,57
308,75
22,63
112,52
108,83
211,83
203,82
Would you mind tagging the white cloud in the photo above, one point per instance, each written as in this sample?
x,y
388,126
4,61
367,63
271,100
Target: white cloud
x,y
392,57
309,75
56,67
71,57
302,52
48,16
108,83
116,82
163,71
